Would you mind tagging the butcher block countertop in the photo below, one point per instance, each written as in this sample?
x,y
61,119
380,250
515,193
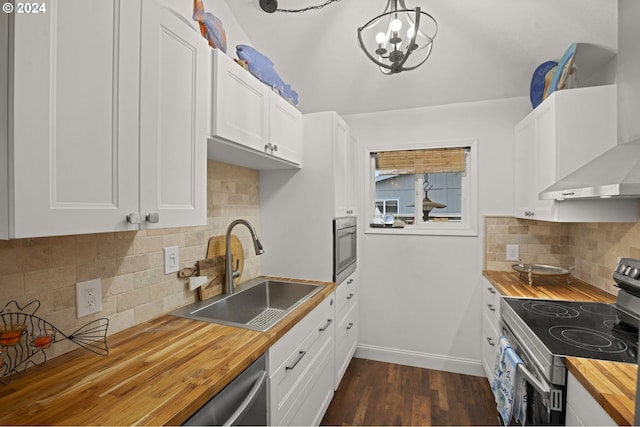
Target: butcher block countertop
x,y
157,373
612,384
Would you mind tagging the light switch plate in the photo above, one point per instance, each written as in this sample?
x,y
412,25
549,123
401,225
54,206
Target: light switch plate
x,y
513,252
171,259
89,297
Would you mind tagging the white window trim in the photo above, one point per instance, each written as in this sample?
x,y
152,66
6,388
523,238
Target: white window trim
x,y
467,227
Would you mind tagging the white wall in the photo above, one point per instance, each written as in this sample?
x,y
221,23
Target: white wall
x,y
421,296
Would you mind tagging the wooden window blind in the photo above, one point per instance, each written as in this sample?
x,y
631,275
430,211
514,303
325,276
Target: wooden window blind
x,y
436,160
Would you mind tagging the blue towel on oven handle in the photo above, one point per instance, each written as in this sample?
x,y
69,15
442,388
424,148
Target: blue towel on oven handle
x,y
508,387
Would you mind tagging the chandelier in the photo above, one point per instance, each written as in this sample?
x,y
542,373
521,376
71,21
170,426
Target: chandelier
x,y
398,39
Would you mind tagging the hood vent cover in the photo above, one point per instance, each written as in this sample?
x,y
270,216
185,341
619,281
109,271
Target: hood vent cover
x,y
615,173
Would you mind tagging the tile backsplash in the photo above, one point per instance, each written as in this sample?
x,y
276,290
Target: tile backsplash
x,y
130,264
592,249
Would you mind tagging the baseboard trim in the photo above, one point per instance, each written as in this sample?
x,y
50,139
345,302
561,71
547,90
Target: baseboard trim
x,y
421,360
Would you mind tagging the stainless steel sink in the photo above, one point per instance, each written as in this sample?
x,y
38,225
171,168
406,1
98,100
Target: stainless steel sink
x,y
257,304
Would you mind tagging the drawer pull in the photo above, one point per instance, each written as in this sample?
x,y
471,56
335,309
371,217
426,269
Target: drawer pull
x,y
491,290
350,325
350,281
491,307
326,326
350,296
490,341
300,356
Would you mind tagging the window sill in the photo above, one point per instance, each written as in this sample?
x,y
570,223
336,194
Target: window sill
x,y
424,231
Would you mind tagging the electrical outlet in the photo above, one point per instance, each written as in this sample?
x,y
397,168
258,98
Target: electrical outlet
x,y
513,252
171,259
89,297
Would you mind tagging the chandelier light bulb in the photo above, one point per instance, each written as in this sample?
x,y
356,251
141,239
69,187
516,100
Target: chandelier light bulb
x,y
396,25
381,38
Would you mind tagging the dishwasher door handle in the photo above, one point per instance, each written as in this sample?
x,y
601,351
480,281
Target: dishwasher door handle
x,y
253,393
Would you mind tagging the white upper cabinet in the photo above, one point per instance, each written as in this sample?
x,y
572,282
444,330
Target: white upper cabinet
x,y
344,169
251,125
74,145
174,114
564,132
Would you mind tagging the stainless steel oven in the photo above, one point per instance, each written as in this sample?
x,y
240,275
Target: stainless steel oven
x,y
545,399
345,237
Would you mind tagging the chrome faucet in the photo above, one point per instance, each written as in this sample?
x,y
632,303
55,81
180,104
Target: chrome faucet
x,y
230,273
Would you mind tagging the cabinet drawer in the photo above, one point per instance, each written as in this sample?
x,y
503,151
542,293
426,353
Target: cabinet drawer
x,y
308,328
290,384
308,402
489,346
346,295
346,341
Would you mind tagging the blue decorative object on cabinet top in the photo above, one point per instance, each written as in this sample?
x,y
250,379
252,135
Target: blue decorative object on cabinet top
x,y
262,67
563,70
540,80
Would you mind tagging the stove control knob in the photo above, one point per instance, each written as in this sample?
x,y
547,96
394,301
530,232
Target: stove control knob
x,y
635,273
627,271
621,268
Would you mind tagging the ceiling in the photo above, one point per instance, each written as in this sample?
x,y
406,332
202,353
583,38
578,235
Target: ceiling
x,y
484,49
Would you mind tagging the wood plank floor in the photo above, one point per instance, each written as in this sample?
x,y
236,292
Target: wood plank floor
x,y
384,394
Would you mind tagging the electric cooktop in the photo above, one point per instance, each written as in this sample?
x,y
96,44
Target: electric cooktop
x,y
580,329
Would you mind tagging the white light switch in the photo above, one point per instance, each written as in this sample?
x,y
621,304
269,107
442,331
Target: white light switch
x,y
171,259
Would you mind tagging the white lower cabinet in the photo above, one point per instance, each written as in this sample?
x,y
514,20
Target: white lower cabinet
x,y
490,326
346,324
582,408
300,368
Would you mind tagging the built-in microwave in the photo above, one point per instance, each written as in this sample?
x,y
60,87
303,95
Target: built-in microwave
x,y
345,238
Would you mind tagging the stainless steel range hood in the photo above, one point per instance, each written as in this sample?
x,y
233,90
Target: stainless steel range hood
x,y
615,173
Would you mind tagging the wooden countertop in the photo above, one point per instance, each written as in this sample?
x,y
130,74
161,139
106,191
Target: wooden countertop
x,y
612,384
157,373
509,284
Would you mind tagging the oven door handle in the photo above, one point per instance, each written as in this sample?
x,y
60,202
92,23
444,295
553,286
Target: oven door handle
x,y
541,387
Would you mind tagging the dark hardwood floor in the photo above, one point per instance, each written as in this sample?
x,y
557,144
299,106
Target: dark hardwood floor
x,y
384,394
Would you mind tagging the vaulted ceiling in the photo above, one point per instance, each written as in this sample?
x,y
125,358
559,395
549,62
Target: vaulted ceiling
x,y
484,49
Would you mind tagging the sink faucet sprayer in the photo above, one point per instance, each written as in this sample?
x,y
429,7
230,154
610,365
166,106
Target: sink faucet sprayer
x,y
230,273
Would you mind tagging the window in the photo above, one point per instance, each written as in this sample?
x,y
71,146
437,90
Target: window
x,y
427,189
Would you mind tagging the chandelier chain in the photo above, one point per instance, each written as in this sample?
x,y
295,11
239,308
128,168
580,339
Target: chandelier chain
x,y
320,6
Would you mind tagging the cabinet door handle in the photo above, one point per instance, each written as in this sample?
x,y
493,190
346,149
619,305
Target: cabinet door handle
x,y
300,356
491,307
324,328
153,217
491,290
490,341
350,296
350,325
275,147
133,218
350,281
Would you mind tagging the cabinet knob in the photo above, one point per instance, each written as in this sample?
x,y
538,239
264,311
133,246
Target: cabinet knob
x,y
133,218
491,290
350,325
153,218
490,341
275,147
349,296
350,281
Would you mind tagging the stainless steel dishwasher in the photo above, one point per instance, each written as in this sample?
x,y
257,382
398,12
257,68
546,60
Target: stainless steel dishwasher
x,y
243,402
